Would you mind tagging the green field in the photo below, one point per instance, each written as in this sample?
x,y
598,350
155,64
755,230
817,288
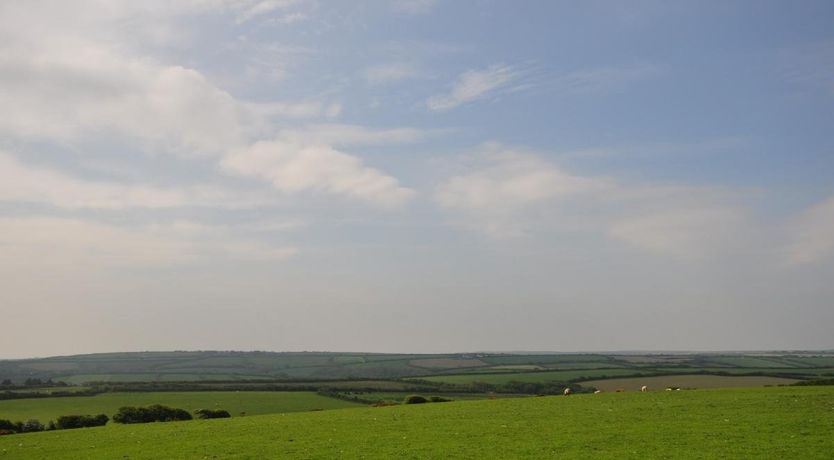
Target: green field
x,y
250,402
778,423
237,366
536,377
662,382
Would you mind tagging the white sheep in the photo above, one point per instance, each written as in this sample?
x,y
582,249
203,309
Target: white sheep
x,y
644,388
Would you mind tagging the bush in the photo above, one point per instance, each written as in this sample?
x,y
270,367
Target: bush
x,y
155,413
66,422
438,399
29,426
415,399
208,413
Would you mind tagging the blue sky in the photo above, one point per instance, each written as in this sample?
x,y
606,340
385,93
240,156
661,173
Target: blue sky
x,y
416,175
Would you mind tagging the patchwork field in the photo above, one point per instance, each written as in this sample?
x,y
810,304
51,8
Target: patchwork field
x,y
240,366
236,402
687,381
730,423
535,377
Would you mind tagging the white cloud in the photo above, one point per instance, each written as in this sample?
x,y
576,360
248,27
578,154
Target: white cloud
x,y
70,91
510,180
473,85
509,193
247,10
813,234
294,168
68,88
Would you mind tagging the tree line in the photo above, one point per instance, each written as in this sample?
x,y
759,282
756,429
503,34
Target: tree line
x,y
127,415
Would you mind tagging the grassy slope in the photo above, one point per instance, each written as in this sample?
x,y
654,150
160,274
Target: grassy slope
x,y
251,402
760,423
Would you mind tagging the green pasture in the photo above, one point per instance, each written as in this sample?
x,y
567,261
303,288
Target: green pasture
x,y
236,402
661,382
777,423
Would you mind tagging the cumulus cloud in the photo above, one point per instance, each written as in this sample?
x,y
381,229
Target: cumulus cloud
x,y
291,167
813,234
67,87
473,85
74,90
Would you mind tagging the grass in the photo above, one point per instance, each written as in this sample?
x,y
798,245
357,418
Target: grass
x,y
686,381
728,423
250,402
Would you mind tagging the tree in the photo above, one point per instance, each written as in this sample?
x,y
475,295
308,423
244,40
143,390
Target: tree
x,y
415,399
208,413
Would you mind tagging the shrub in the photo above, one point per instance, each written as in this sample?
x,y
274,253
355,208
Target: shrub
x,y
66,422
155,413
435,399
209,413
415,399
30,426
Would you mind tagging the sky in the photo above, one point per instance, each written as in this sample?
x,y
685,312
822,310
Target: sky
x,y
415,175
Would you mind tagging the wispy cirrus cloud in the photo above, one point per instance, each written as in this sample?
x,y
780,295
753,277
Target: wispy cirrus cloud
x,y
473,85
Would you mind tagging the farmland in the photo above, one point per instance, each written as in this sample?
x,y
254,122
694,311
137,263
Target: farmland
x,y
727,423
209,366
687,381
248,402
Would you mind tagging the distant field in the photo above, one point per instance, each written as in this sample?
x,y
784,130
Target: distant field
x,y
777,423
686,381
250,402
86,378
537,377
447,363
220,365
